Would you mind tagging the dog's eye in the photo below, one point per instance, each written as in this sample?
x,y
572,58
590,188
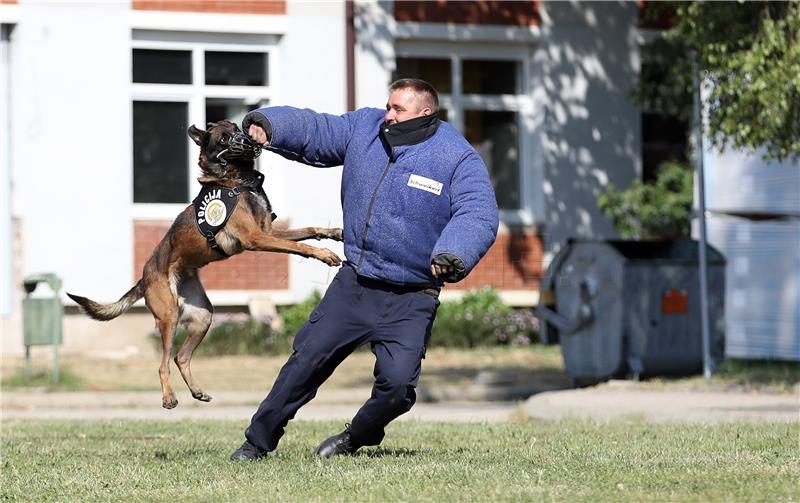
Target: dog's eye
x,y
223,140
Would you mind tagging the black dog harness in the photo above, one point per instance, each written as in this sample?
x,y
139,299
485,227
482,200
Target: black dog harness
x,y
214,205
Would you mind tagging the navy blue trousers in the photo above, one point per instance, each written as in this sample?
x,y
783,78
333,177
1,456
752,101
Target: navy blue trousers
x,y
395,321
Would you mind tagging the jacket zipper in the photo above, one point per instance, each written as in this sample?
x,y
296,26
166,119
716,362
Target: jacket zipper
x,y
369,211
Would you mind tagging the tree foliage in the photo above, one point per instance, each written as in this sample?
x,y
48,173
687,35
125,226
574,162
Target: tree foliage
x,y
749,54
652,210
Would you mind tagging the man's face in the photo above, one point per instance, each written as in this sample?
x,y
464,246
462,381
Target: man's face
x,y
404,104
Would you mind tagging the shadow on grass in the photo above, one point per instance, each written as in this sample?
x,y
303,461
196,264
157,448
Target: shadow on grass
x,y
380,452
548,377
760,372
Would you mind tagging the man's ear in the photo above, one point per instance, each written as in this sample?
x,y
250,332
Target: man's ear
x,y
426,111
197,135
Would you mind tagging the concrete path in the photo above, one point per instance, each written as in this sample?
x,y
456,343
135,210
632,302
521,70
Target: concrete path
x,y
663,406
331,405
598,403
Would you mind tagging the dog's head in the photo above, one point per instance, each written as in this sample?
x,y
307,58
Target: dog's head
x,y
224,149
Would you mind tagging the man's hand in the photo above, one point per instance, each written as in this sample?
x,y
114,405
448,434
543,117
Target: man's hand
x,y
449,267
441,270
258,134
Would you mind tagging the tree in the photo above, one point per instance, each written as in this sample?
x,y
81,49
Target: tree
x,y
749,55
655,210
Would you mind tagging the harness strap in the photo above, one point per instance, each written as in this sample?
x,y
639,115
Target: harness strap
x,y
212,242
215,204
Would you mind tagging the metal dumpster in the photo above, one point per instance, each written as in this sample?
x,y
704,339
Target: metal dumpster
x,y
631,308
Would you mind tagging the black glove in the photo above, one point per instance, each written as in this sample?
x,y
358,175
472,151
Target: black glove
x,y
456,267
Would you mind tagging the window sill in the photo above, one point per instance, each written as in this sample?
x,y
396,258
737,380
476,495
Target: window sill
x,y
516,218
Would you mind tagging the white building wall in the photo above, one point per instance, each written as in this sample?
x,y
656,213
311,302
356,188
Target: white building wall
x,y
71,93
72,133
71,172
374,50
312,75
592,134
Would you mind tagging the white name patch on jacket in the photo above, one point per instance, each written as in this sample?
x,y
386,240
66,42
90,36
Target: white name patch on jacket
x,y
420,182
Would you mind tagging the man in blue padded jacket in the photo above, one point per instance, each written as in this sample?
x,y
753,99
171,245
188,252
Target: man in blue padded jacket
x,y
419,210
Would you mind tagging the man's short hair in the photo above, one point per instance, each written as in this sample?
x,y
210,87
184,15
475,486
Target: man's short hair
x,y
427,93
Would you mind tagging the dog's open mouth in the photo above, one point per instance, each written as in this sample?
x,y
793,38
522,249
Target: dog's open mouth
x,y
241,147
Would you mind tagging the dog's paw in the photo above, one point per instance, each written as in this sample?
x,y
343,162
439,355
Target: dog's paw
x,y
329,257
336,234
169,402
201,396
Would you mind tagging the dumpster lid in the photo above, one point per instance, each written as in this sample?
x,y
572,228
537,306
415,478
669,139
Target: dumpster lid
x,y
683,250
677,250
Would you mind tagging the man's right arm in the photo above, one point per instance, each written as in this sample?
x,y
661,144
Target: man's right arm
x,y
301,134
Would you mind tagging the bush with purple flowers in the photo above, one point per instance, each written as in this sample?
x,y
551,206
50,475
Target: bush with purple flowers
x,y
481,318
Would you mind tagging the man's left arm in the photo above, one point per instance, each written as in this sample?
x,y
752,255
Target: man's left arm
x,y
473,226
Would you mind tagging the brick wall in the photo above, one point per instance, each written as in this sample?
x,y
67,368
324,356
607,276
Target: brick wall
x,y
248,271
219,6
507,13
514,262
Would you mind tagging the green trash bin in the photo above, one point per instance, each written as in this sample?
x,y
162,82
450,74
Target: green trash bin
x,y
42,318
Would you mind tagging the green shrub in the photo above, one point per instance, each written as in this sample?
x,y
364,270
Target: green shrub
x,y
481,318
234,334
661,209
296,315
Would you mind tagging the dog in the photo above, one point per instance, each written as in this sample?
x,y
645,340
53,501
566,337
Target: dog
x,y
232,214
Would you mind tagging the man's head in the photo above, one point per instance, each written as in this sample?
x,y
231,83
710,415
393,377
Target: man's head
x,y
410,98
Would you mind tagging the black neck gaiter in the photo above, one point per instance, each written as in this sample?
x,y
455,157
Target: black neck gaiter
x,y
410,132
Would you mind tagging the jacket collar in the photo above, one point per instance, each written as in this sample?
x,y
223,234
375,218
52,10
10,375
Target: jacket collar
x,y
410,132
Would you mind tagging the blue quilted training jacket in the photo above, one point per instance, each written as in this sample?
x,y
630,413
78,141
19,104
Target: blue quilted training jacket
x,y
410,191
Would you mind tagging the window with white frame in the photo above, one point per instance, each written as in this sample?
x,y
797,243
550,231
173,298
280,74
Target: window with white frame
x,y
179,79
484,92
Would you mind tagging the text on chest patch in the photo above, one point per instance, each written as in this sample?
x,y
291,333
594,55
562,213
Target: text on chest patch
x,y
420,182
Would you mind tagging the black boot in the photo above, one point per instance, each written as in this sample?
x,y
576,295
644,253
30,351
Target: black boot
x,y
248,452
337,445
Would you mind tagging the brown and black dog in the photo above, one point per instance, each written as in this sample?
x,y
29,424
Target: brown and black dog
x,y
170,284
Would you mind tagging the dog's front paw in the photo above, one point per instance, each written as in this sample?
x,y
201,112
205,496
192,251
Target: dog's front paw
x,y
329,257
169,402
336,234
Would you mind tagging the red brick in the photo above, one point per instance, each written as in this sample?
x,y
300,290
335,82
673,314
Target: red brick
x,y
277,7
514,262
247,271
506,13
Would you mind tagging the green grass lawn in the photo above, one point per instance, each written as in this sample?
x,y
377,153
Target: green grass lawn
x,y
419,461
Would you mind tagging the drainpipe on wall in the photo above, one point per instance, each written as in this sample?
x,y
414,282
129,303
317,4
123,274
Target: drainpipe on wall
x,y
7,237
350,45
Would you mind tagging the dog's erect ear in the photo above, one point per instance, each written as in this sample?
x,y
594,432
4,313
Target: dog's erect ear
x,y
197,135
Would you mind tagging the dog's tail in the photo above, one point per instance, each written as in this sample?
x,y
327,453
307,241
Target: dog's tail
x,y
105,312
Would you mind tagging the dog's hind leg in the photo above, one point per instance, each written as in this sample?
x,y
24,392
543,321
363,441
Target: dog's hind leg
x,y
162,301
196,316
